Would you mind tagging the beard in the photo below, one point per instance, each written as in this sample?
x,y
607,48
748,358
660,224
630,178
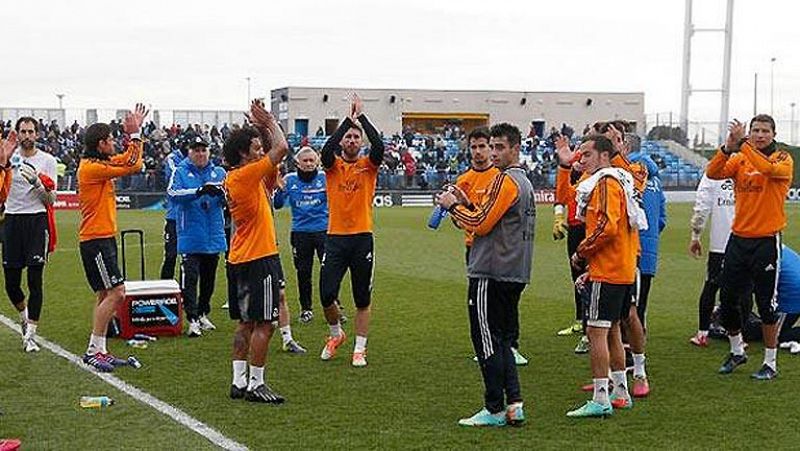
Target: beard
x,y
27,144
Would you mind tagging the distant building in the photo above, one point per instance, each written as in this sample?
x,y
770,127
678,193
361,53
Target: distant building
x,y
303,110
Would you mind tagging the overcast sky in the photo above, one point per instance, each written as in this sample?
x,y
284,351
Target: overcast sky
x,y
197,54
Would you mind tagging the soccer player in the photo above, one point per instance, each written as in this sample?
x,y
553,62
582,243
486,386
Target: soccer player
x,y
475,183
98,246
27,229
631,323
253,256
655,207
351,182
762,174
196,190
714,198
499,268
172,161
565,224
607,201
305,192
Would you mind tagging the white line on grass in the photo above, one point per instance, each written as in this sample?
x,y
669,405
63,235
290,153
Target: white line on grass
x,y
176,414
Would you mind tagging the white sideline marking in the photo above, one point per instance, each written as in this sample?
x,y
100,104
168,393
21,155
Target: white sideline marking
x,y
176,414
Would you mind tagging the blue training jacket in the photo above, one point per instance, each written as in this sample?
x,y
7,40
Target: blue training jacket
x,y
655,207
199,221
172,161
789,282
308,201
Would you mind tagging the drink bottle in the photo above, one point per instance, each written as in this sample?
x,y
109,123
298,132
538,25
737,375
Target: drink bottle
x,y
96,402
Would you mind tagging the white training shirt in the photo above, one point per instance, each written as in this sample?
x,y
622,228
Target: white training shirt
x,y
22,198
715,198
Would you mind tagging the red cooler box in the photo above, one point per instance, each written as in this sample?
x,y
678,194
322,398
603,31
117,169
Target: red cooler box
x,y
152,307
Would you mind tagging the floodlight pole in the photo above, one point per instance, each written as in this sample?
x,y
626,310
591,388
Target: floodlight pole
x,y
686,88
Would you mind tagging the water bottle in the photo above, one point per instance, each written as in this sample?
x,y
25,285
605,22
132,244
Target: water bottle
x,y
437,215
96,402
140,344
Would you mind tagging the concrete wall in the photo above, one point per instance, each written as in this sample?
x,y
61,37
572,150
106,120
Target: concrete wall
x,y
519,108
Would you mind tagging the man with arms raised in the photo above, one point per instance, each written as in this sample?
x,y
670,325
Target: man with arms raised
x,y
351,182
98,244
253,256
762,174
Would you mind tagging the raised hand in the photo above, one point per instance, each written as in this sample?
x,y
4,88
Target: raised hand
x,y
735,134
133,121
356,107
616,138
565,154
7,147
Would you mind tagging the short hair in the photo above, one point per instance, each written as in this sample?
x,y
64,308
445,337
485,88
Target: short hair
x,y
764,118
601,144
634,141
477,133
508,131
237,143
94,134
27,119
304,150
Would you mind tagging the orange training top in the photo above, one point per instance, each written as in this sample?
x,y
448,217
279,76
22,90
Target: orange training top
x,y
246,188
475,184
351,188
96,197
5,183
610,246
761,183
481,219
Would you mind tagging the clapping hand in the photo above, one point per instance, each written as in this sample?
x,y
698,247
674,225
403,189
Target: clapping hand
x,y
565,154
133,121
735,134
356,107
7,147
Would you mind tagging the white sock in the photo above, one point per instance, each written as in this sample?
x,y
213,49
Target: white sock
x,y
601,391
361,344
702,333
638,365
32,329
23,315
96,344
737,344
336,329
256,377
286,333
770,357
240,373
620,384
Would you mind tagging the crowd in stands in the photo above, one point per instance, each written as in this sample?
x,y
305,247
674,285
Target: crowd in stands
x,y
413,160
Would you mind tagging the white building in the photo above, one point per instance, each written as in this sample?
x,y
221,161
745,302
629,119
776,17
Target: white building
x,y
304,110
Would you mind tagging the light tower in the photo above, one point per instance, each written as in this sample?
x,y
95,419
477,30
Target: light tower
x,y
686,87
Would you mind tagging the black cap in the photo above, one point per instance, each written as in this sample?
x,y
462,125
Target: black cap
x,y
197,142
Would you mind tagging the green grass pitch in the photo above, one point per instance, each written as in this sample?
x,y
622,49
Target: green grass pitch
x,y
420,377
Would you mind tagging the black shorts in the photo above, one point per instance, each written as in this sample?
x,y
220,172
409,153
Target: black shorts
x,y
25,240
258,289
608,302
343,252
100,263
756,263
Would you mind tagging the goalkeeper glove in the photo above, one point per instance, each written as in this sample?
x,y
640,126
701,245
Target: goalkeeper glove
x,y
559,223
